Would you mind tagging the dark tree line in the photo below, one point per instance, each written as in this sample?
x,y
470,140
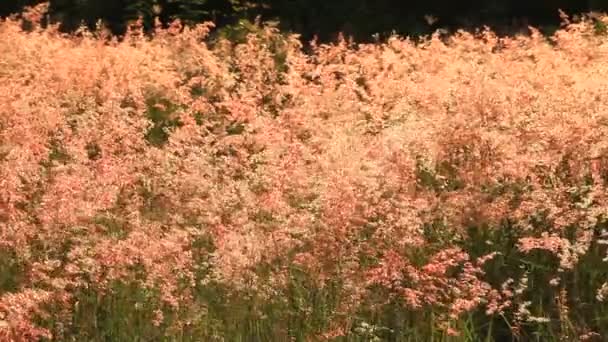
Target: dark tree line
x,y
324,18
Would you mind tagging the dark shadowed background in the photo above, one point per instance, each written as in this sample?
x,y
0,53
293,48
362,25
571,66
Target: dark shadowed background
x,y
323,18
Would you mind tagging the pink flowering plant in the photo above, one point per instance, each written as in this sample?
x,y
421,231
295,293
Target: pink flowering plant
x,y
186,187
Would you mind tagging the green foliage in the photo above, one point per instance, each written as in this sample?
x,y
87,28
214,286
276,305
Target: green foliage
x,y
11,270
442,177
125,313
161,112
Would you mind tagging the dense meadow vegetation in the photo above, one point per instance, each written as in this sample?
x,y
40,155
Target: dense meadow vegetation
x,y
178,188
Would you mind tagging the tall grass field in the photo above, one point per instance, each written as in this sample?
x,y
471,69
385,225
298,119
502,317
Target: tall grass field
x,y
185,187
